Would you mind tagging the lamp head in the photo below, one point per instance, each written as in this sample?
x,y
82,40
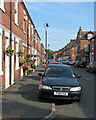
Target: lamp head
x,y
47,25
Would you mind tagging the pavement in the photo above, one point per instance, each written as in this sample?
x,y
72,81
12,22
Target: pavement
x,y
21,100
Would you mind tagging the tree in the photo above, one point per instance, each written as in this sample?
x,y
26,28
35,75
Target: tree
x,y
50,53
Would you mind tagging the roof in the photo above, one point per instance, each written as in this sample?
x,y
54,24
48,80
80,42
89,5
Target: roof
x,y
84,34
93,37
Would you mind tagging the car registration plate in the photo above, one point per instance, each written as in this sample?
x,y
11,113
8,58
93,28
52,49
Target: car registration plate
x,y
61,93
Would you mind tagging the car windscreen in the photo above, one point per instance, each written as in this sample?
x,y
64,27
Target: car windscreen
x,y
59,71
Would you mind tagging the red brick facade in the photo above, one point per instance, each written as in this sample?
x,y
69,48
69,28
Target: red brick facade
x,y
81,48
22,39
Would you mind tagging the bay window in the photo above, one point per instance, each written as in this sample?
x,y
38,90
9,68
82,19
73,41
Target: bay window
x,y
16,12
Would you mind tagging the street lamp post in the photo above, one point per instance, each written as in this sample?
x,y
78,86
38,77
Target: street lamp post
x,y
46,26
48,51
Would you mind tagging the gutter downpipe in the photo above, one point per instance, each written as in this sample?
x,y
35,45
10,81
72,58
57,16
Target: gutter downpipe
x,y
10,36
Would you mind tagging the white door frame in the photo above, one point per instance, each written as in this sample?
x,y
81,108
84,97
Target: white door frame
x,y
12,63
6,62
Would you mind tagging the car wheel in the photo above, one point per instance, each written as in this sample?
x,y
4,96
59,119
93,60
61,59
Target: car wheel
x,y
39,97
87,70
91,70
78,100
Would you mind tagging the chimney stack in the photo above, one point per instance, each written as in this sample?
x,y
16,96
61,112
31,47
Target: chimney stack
x,y
80,30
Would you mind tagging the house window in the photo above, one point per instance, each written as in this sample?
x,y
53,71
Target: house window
x,y
92,56
32,33
2,5
16,13
1,72
17,58
86,48
89,36
29,29
24,21
24,25
92,43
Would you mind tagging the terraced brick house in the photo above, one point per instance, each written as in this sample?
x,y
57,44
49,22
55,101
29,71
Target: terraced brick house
x,y
93,48
73,49
42,53
83,45
18,30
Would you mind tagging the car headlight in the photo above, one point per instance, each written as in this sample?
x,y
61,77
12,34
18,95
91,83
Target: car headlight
x,y
75,88
44,87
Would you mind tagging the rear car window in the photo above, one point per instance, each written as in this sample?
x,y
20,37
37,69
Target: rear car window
x,y
58,71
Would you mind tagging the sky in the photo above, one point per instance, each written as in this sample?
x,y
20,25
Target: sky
x,y
64,19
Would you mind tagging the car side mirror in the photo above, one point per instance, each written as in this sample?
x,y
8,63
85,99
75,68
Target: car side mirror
x,y
40,74
78,76
44,66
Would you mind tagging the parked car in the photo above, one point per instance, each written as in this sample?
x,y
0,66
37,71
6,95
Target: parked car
x,y
91,67
59,82
80,64
76,64
51,60
51,63
64,61
70,62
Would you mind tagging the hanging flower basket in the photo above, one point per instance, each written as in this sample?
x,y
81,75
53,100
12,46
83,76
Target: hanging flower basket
x,y
9,51
20,53
21,63
25,67
33,66
29,55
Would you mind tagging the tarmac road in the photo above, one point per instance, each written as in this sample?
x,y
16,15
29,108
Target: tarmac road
x,y
21,100
84,108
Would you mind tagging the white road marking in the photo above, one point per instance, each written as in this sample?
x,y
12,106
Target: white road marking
x,y
86,78
52,114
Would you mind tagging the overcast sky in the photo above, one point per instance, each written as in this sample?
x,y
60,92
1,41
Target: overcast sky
x,y
64,19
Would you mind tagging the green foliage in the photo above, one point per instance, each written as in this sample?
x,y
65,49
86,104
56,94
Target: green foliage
x,y
50,53
20,53
33,66
29,55
9,51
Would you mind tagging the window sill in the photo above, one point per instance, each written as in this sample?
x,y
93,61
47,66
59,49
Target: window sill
x,y
24,32
16,24
2,9
17,68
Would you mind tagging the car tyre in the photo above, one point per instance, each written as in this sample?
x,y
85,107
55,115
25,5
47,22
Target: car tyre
x,y
39,97
87,70
91,70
